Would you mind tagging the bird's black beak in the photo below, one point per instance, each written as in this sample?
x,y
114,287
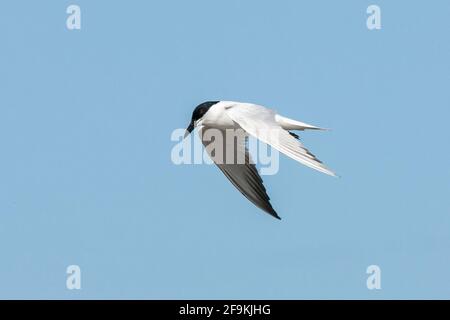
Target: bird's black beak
x,y
189,129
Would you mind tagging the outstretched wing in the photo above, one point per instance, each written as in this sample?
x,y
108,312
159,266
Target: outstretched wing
x,y
240,170
261,123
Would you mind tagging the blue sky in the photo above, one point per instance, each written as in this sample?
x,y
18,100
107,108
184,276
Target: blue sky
x,y
87,179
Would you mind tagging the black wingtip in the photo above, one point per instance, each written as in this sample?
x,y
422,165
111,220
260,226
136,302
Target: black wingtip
x,y
274,214
296,136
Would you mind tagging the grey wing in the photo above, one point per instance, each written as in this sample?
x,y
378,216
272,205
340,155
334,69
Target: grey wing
x,y
240,171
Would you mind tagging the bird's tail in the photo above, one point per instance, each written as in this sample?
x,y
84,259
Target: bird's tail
x,y
290,124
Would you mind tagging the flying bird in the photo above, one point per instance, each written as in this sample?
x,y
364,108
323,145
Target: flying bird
x,y
259,122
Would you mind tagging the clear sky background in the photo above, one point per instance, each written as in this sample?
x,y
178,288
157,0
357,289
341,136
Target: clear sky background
x,y
86,176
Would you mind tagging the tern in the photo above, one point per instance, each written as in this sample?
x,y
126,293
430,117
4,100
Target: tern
x,y
261,123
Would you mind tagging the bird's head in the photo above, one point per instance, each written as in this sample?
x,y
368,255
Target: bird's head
x,y
197,115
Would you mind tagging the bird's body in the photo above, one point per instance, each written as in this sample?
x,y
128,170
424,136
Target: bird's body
x,y
217,117
261,123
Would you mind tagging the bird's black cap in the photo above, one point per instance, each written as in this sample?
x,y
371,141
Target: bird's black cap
x,y
201,109
199,112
